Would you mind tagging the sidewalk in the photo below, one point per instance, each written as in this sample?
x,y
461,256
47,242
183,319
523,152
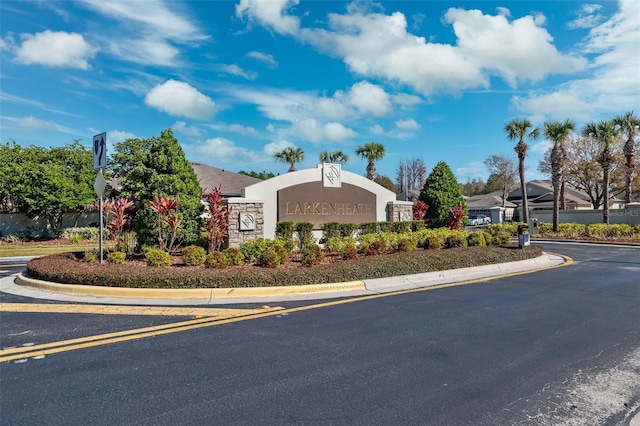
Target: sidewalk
x,y
23,286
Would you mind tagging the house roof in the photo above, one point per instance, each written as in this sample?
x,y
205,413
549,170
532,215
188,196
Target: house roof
x,y
232,183
486,201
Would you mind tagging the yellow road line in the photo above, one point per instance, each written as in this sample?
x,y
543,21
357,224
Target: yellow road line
x,y
125,310
104,339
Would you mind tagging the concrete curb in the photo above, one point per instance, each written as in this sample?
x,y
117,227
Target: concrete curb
x,y
44,289
179,293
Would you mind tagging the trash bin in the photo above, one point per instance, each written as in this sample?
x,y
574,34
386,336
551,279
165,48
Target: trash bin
x,y
523,235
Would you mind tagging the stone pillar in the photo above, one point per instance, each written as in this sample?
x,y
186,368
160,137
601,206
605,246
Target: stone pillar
x,y
399,211
246,221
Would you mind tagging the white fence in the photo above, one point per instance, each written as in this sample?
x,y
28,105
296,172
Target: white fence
x,y
19,224
629,215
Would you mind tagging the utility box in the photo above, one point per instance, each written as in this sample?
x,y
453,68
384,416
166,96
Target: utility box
x,y
523,236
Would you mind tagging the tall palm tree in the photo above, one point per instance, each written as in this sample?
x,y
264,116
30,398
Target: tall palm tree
x,y
290,156
334,157
371,151
605,132
629,125
519,130
558,133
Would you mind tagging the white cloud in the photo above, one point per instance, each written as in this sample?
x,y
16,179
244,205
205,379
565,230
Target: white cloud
x,y
234,69
236,128
180,99
504,11
265,58
409,124
518,50
608,88
588,16
270,14
146,32
405,100
471,170
376,129
115,136
270,149
558,105
540,147
313,131
181,127
32,123
221,149
370,98
55,49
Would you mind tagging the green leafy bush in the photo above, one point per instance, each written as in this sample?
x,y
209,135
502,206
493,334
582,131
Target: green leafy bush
x,y
455,240
312,255
488,238
348,229
81,233
330,230
406,244
90,256
251,250
70,269
502,238
432,242
217,259
369,228
285,230
116,258
476,239
269,258
235,256
194,255
158,258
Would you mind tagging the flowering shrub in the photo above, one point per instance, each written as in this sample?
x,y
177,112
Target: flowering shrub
x,y
169,222
216,219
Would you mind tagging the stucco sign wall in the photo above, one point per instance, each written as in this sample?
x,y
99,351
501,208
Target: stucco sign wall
x,y
315,203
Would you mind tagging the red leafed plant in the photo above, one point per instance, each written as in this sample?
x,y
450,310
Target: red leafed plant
x,y
455,220
122,212
419,210
169,222
216,219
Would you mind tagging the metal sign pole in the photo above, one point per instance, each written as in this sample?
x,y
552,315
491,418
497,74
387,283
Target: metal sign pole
x,y
101,224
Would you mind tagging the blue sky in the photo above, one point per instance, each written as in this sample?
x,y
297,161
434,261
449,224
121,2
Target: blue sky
x,y
238,81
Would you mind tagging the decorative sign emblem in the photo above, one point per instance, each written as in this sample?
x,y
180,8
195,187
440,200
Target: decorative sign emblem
x,y
405,216
331,175
247,221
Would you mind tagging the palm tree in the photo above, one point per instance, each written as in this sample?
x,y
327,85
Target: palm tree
x,y
605,132
371,151
557,132
290,156
629,125
518,130
334,157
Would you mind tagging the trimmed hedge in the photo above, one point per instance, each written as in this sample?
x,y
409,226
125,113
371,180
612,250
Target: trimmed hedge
x,y
70,269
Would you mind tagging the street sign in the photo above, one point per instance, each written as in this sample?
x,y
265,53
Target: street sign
x,y
100,184
100,151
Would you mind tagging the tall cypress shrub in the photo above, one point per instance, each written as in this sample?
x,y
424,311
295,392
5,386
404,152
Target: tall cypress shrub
x,y
441,192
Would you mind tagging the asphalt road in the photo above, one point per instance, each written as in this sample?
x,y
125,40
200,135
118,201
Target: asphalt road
x,y
560,346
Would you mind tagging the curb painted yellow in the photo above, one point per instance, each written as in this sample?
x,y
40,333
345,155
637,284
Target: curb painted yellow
x,y
180,293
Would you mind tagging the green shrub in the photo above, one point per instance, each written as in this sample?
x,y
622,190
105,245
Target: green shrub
x,y
488,238
432,242
501,239
90,256
235,256
217,259
365,240
417,225
285,230
369,228
406,244
476,239
330,230
116,257
348,229
78,234
455,240
269,258
251,250
400,227
350,253
158,258
312,255
194,255
510,228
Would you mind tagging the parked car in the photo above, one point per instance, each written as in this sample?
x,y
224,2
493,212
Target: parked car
x,y
479,219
